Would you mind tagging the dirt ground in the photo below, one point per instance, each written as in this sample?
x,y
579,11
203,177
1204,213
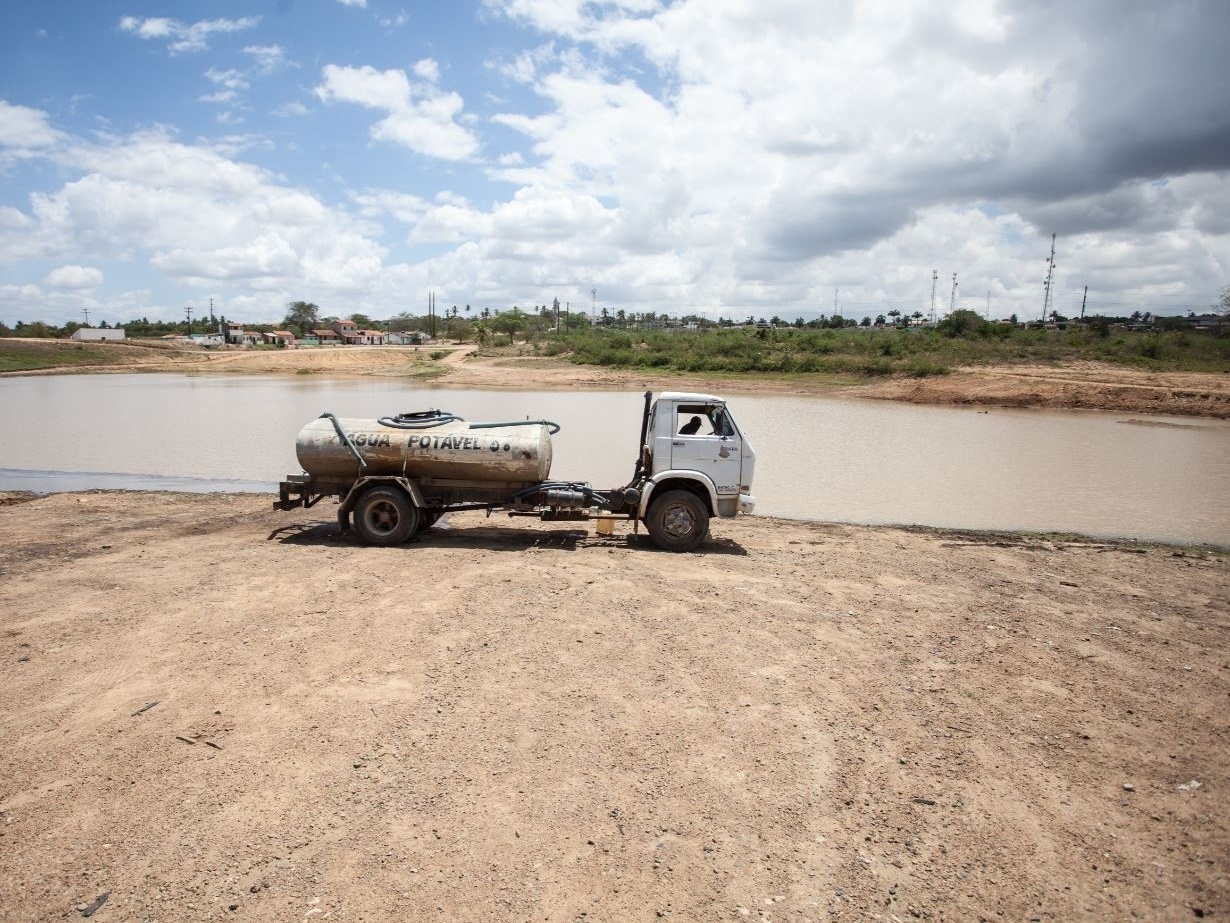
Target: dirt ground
x,y
215,711
1073,385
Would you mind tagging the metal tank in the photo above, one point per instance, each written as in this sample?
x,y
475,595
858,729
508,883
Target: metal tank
x,y
425,445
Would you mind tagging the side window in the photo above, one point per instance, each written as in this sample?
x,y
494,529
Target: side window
x,y
693,420
702,420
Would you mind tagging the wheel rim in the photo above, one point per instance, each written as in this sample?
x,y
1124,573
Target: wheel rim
x,y
382,517
679,521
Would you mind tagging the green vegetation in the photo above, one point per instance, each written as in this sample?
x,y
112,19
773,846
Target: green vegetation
x,y
25,356
836,348
963,339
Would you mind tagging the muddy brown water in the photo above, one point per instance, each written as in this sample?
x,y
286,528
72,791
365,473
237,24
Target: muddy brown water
x,y
1099,474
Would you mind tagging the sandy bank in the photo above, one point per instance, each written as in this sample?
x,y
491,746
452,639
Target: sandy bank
x,y
511,721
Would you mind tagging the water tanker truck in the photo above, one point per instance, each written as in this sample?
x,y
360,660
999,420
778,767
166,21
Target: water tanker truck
x,y
398,474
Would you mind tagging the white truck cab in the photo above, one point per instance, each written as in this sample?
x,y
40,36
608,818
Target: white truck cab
x,y
694,444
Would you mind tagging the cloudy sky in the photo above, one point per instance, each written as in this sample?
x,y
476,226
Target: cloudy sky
x,y
720,156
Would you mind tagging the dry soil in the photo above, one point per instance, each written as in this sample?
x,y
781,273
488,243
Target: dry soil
x,y
213,711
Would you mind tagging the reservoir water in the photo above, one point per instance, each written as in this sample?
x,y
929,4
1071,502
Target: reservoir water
x,y
818,458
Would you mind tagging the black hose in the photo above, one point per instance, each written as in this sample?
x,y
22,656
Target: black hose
x,y
584,489
552,428
422,419
427,419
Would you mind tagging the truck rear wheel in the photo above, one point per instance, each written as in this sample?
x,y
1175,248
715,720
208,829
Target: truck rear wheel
x,y
385,516
677,521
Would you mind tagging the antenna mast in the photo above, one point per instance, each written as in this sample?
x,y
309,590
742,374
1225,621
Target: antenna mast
x,y
952,301
1050,278
935,274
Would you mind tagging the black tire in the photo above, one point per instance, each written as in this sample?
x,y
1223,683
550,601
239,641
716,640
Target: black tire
x,y
677,521
385,516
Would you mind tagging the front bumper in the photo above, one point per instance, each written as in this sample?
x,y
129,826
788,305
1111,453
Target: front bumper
x,y
747,504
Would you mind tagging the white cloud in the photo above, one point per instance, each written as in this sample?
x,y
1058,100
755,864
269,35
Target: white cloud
x,y
286,110
374,203
229,79
185,37
361,4
266,58
24,132
421,115
195,217
74,278
222,97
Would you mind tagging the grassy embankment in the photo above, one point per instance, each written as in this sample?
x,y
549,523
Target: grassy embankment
x,y
33,355
858,353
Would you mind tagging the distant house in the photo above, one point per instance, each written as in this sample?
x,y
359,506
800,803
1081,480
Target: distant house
x,y
231,332
279,338
344,329
350,334
1209,321
326,337
405,339
99,333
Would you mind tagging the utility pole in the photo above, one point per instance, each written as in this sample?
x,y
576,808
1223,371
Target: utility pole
x,y
952,300
556,306
1084,298
988,304
593,308
188,314
935,274
211,312
86,312
1050,279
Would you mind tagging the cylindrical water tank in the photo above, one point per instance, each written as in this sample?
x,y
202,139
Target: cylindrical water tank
x,y
456,451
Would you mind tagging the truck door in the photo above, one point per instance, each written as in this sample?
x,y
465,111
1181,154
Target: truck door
x,y
706,440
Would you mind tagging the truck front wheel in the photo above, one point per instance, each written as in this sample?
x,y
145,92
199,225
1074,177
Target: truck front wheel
x,y
677,521
385,516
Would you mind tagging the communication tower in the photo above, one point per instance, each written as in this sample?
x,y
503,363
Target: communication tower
x,y
1050,279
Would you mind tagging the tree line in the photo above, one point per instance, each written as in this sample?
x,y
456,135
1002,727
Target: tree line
x,y
466,323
